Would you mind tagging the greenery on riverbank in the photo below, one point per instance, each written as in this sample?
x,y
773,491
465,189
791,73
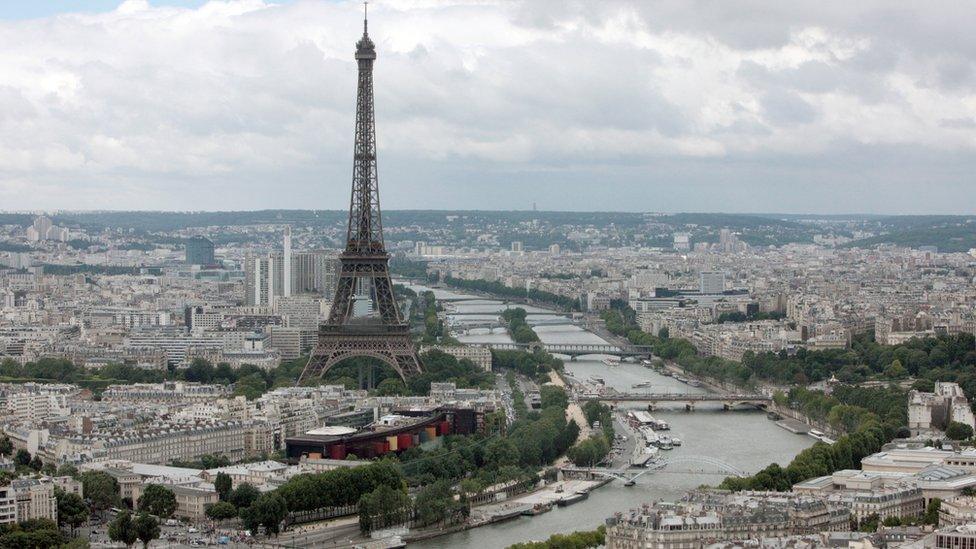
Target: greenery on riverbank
x,y
819,460
869,417
426,306
535,439
535,365
942,358
252,381
518,328
499,289
594,449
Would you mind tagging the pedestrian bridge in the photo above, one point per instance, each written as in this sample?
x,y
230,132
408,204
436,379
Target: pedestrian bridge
x,y
678,464
496,322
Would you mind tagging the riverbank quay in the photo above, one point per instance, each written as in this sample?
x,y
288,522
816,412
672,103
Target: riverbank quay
x,y
720,387
574,412
559,493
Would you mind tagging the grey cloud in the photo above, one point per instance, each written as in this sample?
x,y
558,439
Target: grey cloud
x,y
787,108
209,107
958,123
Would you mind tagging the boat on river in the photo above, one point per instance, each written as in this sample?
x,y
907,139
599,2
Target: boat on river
x,y
611,361
643,456
575,497
537,509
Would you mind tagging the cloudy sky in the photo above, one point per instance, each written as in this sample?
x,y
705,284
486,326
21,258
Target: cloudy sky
x,y
683,105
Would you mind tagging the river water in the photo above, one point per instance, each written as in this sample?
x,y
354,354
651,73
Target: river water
x,y
744,439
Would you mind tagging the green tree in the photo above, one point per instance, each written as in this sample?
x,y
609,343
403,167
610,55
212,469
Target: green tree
x,y
931,515
869,524
268,511
251,386
72,509
244,495
383,507
895,370
36,463
158,500
122,529
550,395
501,452
101,489
892,521
223,484
146,528
22,458
958,431
33,533
6,447
589,452
390,387
199,370
222,510
434,503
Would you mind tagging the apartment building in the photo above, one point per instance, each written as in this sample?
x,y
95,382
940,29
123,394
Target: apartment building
x,y
479,355
707,517
935,410
166,443
33,498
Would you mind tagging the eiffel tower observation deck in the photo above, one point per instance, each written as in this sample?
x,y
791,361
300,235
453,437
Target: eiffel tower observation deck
x,y
352,329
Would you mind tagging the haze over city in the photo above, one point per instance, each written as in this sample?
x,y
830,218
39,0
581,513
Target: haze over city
x,y
634,106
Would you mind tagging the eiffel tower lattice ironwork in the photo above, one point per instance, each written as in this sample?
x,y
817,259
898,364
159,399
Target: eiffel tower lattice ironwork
x,y
364,265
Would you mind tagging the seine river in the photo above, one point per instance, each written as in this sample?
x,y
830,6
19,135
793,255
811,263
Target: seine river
x,y
743,439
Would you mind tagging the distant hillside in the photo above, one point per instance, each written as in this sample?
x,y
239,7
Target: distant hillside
x,y
947,233
16,219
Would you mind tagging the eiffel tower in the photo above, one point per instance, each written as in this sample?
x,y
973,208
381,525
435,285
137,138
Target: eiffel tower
x,y
364,265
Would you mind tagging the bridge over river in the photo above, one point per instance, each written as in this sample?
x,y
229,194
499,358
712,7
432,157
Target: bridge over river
x,y
728,401
685,464
576,349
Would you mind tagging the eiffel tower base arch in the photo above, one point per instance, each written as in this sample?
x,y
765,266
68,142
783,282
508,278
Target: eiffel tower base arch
x,y
392,346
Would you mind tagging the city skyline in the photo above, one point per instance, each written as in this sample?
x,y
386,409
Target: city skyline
x,y
244,106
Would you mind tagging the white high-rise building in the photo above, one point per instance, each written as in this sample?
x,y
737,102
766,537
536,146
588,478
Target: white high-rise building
x,y
42,224
712,282
682,242
286,264
313,273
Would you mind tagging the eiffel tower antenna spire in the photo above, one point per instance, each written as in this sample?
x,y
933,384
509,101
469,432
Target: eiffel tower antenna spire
x,y
365,18
364,271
